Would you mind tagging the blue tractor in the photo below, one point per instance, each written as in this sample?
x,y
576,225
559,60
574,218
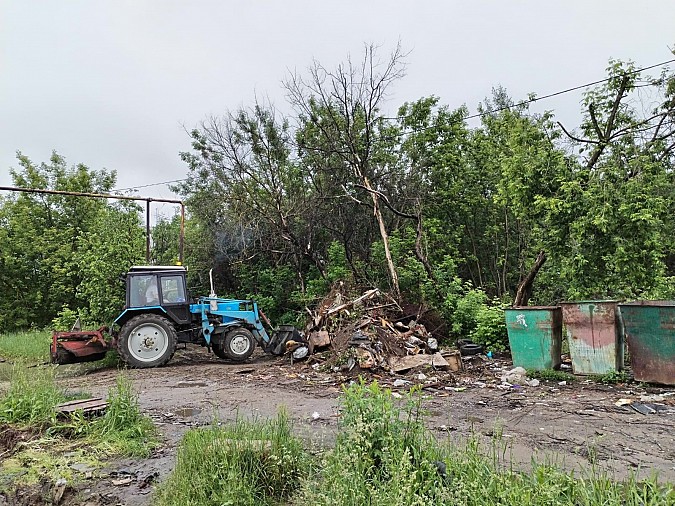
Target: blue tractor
x,y
159,314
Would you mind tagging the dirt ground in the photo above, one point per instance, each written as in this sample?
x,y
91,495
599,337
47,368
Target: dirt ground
x,y
576,424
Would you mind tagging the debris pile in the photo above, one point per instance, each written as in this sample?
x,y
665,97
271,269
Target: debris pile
x,y
371,332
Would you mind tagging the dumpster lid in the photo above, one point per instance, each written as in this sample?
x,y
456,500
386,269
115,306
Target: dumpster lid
x,y
536,308
597,301
649,303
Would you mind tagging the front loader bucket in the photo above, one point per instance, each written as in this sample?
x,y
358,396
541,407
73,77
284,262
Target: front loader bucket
x,y
285,333
78,346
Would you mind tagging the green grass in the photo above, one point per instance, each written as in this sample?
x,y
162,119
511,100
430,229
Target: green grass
x,y
122,430
551,375
243,463
31,345
28,406
612,377
385,456
31,397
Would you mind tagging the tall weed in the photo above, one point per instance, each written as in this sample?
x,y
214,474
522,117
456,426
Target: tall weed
x,y
245,463
384,456
123,428
31,397
30,345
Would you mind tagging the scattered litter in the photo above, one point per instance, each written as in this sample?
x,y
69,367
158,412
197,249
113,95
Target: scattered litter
x,y
58,490
316,415
623,402
400,364
245,370
396,395
515,376
188,384
400,383
300,352
148,480
533,382
647,409
81,467
123,482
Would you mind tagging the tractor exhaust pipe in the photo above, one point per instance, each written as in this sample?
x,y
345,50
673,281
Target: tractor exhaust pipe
x,y
213,304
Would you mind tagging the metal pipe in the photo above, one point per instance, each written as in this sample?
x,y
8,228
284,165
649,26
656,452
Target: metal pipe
x,y
93,195
181,236
147,231
147,200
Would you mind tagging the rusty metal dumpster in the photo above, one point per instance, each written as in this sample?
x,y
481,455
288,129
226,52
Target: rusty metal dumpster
x,y
594,336
650,331
535,336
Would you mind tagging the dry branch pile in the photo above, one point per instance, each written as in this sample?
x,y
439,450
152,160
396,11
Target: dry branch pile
x,y
372,332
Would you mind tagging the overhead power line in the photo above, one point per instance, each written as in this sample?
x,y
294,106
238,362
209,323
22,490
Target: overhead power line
x,y
543,97
472,116
568,90
149,185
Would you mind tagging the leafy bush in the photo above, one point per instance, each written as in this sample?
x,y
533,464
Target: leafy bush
x,y
490,328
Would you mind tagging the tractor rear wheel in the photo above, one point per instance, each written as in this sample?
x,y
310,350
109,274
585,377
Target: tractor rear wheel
x,y
147,340
238,344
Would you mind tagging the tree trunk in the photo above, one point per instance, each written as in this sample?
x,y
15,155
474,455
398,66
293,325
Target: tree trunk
x,y
385,238
525,288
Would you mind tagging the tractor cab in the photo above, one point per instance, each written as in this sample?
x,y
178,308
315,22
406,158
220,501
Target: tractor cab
x,y
162,287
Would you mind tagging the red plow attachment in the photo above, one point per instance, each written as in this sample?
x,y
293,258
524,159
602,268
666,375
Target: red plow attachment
x,y
78,346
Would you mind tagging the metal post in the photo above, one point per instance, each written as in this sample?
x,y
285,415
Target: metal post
x,y
181,237
147,231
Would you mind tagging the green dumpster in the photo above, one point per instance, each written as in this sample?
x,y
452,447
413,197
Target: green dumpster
x,y
650,331
535,336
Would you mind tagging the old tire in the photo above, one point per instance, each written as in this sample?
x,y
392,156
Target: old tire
x,y
238,344
469,349
217,345
147,340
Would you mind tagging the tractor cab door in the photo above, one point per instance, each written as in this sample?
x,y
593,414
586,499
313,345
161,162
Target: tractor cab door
x,y
173,296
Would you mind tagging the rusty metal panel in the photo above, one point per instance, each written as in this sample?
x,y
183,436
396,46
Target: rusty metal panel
x,y
535,336
650,330
594,336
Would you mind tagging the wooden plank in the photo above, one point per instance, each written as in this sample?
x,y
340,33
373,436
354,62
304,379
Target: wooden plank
x,y
85,405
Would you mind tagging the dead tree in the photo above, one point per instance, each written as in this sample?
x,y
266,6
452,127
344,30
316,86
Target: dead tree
x,y
342,107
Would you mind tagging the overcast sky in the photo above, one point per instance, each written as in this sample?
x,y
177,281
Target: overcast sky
x,y
112,84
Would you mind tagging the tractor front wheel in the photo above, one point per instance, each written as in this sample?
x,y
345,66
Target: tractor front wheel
x,y
147,340
238,344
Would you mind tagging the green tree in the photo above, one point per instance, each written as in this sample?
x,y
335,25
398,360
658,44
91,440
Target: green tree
x,y
48,243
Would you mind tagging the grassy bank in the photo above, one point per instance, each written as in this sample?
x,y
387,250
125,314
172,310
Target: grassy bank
x,y
37,444
384,456
245,463
31,346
